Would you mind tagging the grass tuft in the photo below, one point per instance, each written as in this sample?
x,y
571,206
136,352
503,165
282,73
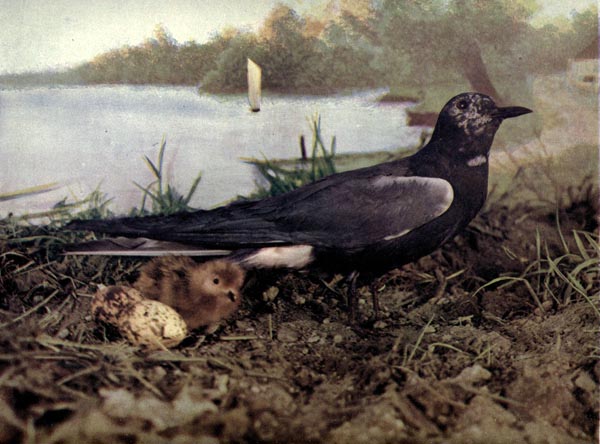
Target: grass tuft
x,y
560,278
281,180
165,198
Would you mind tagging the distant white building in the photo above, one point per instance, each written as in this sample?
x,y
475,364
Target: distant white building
x,y
583,69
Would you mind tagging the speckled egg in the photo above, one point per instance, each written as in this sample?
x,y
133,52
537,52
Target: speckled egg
x,y
153,325
110,304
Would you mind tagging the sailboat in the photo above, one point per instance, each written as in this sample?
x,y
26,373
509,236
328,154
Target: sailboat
x,y
254,77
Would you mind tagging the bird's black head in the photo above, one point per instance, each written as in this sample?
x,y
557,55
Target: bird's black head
x,y
474,114
470,120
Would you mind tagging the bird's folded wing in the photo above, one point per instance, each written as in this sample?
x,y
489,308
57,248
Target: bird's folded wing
x,y
361,212
343,212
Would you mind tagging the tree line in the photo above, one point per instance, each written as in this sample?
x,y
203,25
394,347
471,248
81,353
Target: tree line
x,y
385,43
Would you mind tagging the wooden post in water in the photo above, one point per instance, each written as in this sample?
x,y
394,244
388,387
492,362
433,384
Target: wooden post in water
x,y
254,80
303,156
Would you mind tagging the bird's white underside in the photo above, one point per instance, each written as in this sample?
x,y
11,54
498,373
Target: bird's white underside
x,y
294,256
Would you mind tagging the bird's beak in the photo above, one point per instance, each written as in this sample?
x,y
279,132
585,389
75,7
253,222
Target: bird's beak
x,y
510,111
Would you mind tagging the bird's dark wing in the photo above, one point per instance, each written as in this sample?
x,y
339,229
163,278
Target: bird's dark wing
x,y
361,212
346,211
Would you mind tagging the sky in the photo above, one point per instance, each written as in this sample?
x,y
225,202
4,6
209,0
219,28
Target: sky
x,y
37,35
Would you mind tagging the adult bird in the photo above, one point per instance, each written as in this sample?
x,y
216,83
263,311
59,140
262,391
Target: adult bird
x,y
367,220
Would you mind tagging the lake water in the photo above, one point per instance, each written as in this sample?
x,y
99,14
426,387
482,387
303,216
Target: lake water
x,y
82,137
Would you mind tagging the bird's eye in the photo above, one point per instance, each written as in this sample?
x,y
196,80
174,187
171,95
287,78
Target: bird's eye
x,y
216,281
462,104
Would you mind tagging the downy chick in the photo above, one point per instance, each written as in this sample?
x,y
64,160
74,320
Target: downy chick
x,y
202,293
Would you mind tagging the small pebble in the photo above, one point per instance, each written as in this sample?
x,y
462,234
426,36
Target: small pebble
x,y
380,325
286,334
37,299
222,383
585,382
157,374
270,294
474,375
430,329
313,339
299,300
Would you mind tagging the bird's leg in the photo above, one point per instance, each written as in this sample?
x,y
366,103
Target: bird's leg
x,y
443,283
351,297
375,295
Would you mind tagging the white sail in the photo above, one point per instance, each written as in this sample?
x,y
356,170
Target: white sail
x,y
254,78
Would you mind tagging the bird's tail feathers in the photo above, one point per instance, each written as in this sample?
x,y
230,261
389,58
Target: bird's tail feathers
x,y
122,246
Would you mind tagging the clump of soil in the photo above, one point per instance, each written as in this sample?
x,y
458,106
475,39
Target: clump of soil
x,y
491,339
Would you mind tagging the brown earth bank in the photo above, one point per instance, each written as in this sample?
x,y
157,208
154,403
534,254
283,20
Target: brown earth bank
x,y
491,339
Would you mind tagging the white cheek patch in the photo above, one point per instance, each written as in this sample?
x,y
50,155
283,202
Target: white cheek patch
x,y
477,161
296,256
483,120
464,124
474,122
481,124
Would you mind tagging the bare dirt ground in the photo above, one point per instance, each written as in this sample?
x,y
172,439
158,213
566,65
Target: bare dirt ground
x,y
492,339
